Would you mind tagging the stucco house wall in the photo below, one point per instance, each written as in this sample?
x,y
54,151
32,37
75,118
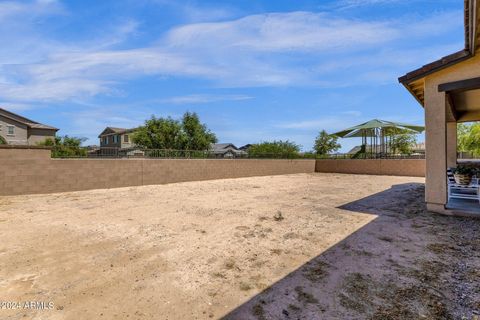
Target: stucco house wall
x,y
112,137
121,141
441,134
109,143
25,131
20,135
39,135
128,144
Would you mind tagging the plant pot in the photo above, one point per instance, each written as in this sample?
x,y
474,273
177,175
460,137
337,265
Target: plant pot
x,y
463,179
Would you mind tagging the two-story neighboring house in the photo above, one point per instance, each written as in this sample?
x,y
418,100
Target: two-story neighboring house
x,y
18,130
227,150
120,138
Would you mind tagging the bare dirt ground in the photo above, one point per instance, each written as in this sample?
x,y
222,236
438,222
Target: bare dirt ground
x,y
306,246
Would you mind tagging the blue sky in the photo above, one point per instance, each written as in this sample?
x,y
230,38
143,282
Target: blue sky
x,y
252,70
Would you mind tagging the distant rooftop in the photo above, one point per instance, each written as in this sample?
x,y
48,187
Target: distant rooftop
x,y
28,122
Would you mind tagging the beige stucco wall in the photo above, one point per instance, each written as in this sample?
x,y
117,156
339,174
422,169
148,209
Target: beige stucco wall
x,y
110,143
28,153
21,134
27,171
439,141
128,144
391,167
120,144
39,135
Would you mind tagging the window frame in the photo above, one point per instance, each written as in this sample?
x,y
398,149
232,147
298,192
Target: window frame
x,y
8,130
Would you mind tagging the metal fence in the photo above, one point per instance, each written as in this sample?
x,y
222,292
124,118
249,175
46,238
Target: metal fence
x,y
341,156
467,156
114,153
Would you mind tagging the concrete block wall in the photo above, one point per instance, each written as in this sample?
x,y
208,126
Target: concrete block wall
x,y
389,167
29,171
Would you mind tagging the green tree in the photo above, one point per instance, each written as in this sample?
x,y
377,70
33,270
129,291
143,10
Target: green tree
x,y
463,132
168,133
325,143
468,138
401,140
160,133
2,140
65,146
277,149
403,143
196,135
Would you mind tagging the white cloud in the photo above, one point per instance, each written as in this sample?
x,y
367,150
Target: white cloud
x,y
359,3
204,98
15,106
89,122
195,13
293,31
28,9
276,49
355,4
328,123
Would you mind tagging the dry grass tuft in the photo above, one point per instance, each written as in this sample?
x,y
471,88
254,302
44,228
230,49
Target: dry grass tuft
x,y
356,291
317,272
305,297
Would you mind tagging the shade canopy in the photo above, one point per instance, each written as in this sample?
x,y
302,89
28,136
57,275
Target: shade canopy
x,y
368,129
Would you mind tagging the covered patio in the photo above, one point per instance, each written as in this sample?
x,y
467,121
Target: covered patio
x,y
449,91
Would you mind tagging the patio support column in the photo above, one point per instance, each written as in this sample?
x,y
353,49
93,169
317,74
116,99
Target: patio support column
x,y
435,148
451,144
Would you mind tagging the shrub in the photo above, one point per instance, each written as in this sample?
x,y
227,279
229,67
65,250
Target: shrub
x,y
463,169
274,149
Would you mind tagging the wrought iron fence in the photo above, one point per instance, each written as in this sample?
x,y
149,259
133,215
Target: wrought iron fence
x,y
114,153
370,156
465,155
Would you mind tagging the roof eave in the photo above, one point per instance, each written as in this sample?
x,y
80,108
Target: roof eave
x,y
471,26
413,94
435,66
49,128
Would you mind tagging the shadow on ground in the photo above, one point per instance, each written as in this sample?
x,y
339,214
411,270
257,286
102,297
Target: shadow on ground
x,y
406,264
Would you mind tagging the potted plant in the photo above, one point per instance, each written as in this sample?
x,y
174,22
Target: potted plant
x,y
463,174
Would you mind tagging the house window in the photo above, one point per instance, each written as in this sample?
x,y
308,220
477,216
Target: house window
x,y
105,141
125,138
10,130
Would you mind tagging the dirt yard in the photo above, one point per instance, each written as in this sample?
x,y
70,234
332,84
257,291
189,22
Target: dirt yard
x,y
306,246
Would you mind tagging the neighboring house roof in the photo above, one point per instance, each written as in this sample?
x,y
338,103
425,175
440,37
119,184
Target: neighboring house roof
x,y
222,146
114,130
225,147
245,147
29,123
419,146
472,39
